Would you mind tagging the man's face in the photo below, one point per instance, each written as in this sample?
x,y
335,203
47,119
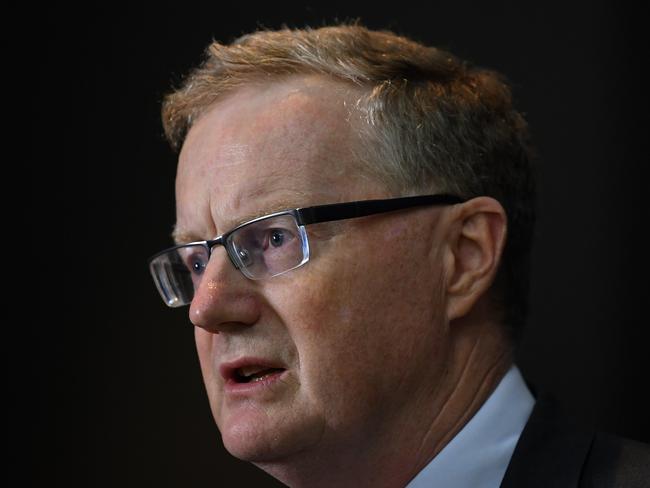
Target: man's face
x,y
355,339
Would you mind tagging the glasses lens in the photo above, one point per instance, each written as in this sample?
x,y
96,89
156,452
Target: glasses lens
x,y
178,272
269,247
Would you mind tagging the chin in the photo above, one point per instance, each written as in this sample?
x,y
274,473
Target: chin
x,y
262,440
248,445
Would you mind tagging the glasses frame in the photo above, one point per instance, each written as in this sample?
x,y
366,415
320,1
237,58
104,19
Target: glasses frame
x,y
316,215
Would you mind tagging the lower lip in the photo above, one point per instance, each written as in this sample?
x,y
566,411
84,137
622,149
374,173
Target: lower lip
x,y
252,387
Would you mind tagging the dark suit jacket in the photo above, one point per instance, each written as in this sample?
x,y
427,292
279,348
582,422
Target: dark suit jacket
x,y
552,453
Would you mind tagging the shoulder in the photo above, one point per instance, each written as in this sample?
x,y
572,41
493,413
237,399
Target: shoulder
x,y
554,452
615,461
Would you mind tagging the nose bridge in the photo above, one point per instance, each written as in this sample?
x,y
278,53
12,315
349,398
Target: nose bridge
x,y
219,245
221,296
218,259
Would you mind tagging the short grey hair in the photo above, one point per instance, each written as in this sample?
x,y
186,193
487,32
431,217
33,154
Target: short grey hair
x,y
431,122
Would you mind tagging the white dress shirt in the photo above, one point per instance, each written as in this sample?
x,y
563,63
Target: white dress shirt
x,y
478,456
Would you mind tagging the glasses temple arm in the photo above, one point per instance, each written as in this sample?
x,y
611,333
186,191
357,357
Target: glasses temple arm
x,y
349,210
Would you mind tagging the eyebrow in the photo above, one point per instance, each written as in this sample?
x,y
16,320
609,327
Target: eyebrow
x,y
182,236
277,206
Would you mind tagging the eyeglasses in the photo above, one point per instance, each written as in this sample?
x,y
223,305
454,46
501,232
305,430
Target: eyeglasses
x,y
266,246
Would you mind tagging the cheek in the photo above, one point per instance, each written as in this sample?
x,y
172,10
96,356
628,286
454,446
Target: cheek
x,y
203,341
358,324
372,291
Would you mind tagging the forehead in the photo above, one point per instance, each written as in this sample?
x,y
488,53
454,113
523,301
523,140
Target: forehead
x,y
288,143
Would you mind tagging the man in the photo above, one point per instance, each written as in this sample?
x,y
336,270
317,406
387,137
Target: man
x,y
354,219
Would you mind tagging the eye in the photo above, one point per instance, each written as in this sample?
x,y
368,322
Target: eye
x,y
196,263
276,237
198,267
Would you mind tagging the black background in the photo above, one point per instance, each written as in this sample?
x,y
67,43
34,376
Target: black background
x,y
108,389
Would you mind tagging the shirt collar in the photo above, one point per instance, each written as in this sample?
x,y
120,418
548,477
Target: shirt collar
x,y
478,456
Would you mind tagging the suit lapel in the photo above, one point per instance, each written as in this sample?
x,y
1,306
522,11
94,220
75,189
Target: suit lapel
x,y
550,451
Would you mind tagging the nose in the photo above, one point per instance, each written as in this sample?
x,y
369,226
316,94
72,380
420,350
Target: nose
x,y
224,299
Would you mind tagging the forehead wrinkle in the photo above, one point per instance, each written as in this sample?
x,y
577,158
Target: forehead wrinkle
x,y
229,139
273,193
255,196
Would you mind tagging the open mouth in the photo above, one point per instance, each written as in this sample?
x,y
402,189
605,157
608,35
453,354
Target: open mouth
x,y
250,374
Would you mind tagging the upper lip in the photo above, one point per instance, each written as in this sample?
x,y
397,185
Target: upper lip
x,y
229,370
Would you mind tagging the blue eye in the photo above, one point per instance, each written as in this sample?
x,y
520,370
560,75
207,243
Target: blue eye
x,y
196,264
276,237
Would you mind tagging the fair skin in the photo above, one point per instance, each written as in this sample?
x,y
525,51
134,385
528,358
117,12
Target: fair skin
x,y
383,344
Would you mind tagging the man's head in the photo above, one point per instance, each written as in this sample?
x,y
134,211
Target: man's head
x,y
425,121
371,339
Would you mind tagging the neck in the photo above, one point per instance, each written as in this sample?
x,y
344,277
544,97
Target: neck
x,y
478,357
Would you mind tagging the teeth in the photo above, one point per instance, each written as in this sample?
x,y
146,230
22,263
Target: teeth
x,y
261,377
255,373
250,370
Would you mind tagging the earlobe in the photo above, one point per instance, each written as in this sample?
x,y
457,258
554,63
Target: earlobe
x,y
475,245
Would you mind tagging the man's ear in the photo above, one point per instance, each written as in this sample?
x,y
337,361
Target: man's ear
x,y
475,241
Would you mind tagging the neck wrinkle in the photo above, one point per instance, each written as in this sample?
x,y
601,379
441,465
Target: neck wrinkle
x,y
476,367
